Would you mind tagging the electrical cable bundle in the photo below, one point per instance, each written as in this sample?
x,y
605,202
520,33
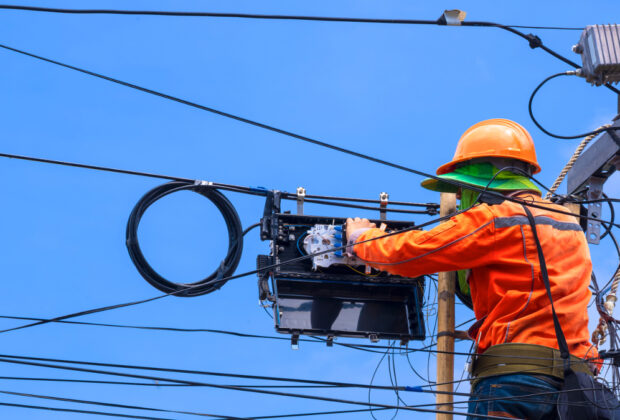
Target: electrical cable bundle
x,y
227,266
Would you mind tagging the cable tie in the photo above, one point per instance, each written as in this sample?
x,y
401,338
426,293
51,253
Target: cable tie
x,y
259,189
203,183
414,389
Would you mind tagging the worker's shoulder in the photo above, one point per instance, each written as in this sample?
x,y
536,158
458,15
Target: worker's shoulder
x,y
537,205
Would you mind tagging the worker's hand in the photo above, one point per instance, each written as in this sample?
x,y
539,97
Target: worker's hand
x,y
357,223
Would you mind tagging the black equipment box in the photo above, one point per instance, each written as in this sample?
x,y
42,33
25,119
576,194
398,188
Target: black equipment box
x,y
337,300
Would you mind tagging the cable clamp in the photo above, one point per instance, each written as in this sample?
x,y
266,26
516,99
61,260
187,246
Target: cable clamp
x,y
534,41
452,17
202,183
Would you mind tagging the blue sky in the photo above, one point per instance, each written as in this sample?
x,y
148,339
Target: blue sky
x,y
401,93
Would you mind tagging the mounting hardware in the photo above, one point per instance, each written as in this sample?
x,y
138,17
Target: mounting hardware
x,y
330,341
383,199
452,17
373,338
301,194
295,342
595,189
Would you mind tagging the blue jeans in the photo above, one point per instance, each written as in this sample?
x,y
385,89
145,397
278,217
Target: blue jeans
x,y
491,396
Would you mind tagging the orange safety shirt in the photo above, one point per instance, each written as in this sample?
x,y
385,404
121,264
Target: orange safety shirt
x,y
508,293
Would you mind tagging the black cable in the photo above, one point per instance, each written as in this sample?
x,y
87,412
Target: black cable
x,y
227,266
234,388
204,373
558,136
72,410
247,190
127,304
261,125
612,213
248,16
106,404
533,40
148,384
235,188
363,347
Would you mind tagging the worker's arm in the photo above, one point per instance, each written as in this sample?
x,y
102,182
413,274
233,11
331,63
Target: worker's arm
x,y
465,241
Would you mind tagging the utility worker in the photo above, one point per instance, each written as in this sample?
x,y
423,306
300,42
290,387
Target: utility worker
x,y
493,241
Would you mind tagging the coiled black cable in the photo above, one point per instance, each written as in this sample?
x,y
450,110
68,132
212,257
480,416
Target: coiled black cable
x,y
227,266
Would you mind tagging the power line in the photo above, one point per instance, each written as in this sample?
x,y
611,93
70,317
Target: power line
x,y
205,373
266,127
315,340
106,404
252,16
148,384
234,388
320,199
72,410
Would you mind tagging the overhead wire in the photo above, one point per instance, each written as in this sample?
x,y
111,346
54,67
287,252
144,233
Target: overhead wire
x,y
229,387
77,411
250,389
107,404
248,16
564,137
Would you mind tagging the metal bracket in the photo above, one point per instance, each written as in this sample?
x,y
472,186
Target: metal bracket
x,y
383,199
330,341
295,342
301,194
452,17
373,338
595,189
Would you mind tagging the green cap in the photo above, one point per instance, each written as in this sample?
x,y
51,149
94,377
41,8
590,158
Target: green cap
x,y
479,175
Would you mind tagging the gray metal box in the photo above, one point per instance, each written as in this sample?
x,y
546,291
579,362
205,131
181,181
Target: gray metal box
x,y
599,47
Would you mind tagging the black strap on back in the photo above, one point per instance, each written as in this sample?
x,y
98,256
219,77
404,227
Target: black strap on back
x,y
563,346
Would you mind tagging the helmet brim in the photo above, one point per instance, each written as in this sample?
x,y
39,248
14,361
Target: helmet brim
x,y
496,185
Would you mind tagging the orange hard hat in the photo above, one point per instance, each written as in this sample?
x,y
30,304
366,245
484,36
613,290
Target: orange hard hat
x,y
495,138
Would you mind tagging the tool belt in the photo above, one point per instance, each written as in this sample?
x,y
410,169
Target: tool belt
x,y
509,358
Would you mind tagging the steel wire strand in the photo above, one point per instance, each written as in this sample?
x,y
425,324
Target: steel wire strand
x,y
234,388
572,161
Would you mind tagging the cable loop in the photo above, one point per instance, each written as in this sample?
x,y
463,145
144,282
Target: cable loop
x,y
225,269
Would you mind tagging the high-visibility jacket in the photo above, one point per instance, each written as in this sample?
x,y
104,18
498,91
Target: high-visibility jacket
x,y
509,297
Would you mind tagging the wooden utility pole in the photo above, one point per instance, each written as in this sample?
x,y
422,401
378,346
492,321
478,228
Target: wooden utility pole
x,y
445,323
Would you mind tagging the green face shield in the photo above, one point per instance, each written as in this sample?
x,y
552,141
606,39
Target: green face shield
x,y
481,175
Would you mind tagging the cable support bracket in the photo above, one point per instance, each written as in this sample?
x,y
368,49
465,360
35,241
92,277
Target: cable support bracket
x,y
383,202
301,195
